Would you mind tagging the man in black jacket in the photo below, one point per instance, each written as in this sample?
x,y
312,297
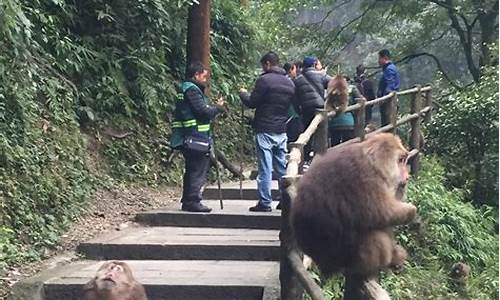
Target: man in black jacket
x,y
271,99
191,134
366,88
310,93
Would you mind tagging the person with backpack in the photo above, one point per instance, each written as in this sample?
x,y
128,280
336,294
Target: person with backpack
x,y
366,88
310,93
191,133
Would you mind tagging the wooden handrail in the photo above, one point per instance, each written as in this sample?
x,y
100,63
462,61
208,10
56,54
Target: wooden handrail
x,y
305,279
291,257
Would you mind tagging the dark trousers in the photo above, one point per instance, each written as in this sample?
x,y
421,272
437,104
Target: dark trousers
x,y
338,136
293,129
195,175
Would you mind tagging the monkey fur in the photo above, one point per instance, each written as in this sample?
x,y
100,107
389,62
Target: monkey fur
x,y
337,97
348,203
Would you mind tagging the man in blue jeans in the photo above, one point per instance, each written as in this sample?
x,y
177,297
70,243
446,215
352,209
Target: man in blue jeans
x,y
271,99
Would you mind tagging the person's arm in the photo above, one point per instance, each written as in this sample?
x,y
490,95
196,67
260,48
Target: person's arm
x,y
199,107
254,99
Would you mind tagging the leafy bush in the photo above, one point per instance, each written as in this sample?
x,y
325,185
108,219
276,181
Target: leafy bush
x,y
464,133
78,75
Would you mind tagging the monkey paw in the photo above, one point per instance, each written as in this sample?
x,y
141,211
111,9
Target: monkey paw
x,y
399,256
411,212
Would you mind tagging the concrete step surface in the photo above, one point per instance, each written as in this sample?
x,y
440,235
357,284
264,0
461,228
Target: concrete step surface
x,y
176,280
234,215
184,243
231,190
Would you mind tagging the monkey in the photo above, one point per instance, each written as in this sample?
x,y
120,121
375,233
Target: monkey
x,y
337,97
114,281
348,203
459,274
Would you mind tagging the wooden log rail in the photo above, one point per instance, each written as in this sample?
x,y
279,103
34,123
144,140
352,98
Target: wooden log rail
x,y
294,277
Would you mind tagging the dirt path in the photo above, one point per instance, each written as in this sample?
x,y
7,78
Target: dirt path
x,y
110,210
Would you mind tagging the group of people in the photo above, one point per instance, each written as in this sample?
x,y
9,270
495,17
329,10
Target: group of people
x,y
285,100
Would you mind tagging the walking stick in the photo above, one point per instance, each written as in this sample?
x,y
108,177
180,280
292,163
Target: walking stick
x,y
217,170
242,133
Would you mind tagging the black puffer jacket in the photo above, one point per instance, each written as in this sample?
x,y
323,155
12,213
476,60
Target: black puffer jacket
x,y
310,89
271,98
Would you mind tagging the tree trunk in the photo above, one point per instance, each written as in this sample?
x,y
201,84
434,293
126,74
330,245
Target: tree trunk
x,y
198,35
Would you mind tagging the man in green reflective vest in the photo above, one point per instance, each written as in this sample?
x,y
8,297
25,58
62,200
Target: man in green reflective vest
x,y
191,134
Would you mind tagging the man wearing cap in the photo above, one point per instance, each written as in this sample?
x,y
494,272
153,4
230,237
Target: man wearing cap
x,y
310,93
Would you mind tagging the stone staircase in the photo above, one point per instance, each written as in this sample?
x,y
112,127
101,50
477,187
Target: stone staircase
x,y
226,254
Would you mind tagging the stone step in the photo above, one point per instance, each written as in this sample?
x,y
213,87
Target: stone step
x,y
231,191
184,243
234,215
172,280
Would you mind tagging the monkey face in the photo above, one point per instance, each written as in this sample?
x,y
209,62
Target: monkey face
x,y
110,275
388,155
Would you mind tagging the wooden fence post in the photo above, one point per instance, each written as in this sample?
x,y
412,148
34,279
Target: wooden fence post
x,y
320,137
416,104
359,127
360,288
428,102
300,146
291,288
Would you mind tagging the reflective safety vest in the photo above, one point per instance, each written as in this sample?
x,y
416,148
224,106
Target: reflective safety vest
x,y
185,123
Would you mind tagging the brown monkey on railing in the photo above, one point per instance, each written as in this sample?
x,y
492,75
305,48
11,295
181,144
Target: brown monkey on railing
x,y
348,203
337,94
114,281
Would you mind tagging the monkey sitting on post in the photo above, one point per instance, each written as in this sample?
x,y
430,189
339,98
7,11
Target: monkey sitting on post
x,y
348,203
113,281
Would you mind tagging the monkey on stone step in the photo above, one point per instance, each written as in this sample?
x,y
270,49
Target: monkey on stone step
x,y
114,281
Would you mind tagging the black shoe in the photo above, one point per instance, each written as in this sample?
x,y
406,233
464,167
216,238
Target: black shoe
x,y
260,208
278,207
195,207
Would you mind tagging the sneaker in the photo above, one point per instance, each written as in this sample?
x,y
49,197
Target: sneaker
x,y
195,207
260,208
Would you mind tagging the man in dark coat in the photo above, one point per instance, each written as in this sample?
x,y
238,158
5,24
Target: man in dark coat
x,y
271,99
191,134
310,93
366,88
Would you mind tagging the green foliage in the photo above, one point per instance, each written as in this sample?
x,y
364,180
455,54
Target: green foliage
x,y
109,70
43,177
464,133
451,231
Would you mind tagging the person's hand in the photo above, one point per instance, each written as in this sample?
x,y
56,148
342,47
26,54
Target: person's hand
x,y
221,101
243,90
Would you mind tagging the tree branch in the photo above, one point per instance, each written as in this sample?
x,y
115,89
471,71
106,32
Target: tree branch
x,y
440,67
345,26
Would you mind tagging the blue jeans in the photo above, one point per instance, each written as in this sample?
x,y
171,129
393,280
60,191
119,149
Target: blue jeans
x,y
271,150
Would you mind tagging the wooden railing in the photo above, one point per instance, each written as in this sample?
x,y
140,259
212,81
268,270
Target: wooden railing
x,y
294,277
